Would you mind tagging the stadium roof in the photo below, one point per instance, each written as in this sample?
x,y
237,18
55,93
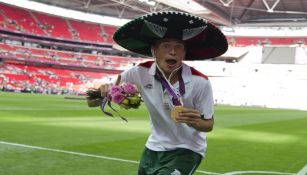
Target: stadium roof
x,y
222,12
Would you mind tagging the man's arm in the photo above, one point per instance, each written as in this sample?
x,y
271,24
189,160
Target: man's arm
x,y
204,125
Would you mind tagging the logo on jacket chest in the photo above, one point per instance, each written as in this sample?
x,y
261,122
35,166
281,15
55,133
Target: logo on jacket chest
x,y
148,86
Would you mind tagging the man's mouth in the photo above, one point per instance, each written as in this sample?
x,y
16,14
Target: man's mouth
x,y
171,61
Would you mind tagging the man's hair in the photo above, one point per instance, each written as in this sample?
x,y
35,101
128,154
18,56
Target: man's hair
x,y
157,42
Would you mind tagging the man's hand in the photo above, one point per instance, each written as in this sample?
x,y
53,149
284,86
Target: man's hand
x,y
94,96
188,116
192,118
105,89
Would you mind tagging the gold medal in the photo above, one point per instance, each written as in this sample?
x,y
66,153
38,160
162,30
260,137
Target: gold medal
x,y
175,112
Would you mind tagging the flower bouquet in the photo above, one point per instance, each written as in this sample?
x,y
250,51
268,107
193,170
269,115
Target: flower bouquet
x,y
126,95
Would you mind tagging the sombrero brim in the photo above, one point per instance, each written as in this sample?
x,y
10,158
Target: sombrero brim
x,y
203,40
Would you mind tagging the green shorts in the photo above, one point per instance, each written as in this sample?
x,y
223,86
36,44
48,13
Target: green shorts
x,y
176,162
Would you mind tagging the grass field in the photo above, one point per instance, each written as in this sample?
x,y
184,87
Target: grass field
x,y
48,135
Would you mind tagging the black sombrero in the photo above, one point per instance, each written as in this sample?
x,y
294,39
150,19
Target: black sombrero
x,y
203,39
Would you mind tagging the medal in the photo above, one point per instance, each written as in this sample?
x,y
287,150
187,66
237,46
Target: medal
x,y
175,112
176,97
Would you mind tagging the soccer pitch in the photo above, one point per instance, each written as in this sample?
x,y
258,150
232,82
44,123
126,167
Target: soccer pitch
x,y
48,135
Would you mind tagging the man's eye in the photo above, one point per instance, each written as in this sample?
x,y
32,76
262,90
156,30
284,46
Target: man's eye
x,y
179,46
166,45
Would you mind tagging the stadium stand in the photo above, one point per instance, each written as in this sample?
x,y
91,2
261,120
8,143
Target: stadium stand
x,y
240,41
41,53
35,23
88,31
66,57
262,85
18,77
52,67
22,21
109,33
43,24
53,26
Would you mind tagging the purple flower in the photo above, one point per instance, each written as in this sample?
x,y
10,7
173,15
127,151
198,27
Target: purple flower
x,y
130,88
116,89
118,97
126,95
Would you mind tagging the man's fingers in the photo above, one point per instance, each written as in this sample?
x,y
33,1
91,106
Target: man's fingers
x,y
104,89
191,114
118,80
187,120
189,110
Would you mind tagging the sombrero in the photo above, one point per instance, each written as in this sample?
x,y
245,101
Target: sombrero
x,y
203,40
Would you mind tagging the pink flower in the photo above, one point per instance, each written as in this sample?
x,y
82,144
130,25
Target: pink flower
x,y
118,97
130,88
116,89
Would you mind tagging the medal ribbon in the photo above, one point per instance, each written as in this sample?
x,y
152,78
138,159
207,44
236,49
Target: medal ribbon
x,y
166,84
103,104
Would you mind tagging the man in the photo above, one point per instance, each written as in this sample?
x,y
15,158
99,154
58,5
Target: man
x,y
178,97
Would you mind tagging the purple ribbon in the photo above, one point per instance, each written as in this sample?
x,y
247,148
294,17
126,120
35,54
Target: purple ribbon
x,y
165,84
103,104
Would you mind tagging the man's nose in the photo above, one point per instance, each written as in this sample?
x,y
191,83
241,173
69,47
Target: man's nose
x,y
172,51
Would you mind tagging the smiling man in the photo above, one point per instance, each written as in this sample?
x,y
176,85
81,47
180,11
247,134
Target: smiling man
x,y
178,97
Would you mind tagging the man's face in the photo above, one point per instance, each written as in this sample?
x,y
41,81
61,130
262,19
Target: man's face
x,y
169,54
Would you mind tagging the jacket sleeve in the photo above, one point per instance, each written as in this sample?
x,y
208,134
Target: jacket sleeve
x,y
204,100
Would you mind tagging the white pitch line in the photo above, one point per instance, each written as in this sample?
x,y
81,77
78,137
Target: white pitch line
x,y
303,171
83,154
68,152
206,172
257,172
